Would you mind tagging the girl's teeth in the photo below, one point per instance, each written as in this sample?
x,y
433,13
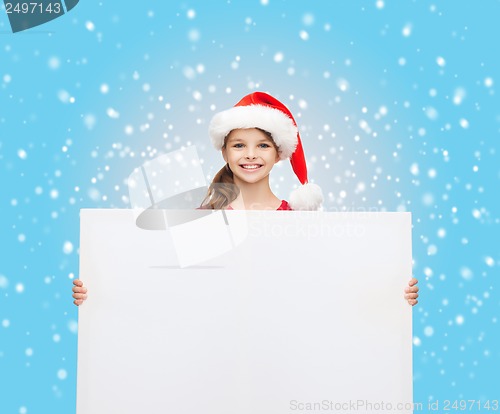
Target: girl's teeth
x,y
250,167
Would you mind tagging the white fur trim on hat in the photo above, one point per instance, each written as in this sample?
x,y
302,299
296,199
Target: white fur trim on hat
x,y
307,197
278,124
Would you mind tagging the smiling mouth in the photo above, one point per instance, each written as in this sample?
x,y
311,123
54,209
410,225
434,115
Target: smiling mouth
x,y
251,167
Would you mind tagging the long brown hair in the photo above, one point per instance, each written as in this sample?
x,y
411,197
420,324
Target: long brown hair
x,y
223,191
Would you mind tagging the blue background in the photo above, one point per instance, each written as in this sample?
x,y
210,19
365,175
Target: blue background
x,y
397,106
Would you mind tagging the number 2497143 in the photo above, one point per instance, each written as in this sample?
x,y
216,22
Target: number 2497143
x,y
32,8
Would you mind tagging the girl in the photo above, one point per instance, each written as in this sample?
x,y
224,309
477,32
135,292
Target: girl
x,y
254,135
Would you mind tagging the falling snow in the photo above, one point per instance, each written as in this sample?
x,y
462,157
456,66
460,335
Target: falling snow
x,y
396,113
440,61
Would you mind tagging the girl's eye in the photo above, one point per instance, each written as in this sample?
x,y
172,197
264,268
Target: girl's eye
x,y
264,145
238,145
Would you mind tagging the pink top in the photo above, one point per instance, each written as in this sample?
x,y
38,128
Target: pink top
x,y
283,206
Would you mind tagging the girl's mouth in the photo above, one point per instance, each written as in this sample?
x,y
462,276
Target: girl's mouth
x,y
250,167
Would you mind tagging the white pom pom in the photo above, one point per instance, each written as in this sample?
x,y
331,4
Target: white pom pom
x,y
307,197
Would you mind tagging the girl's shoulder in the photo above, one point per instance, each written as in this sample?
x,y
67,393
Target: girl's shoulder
x,y
284,206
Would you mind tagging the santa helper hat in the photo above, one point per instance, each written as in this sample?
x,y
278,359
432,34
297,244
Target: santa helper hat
x,y
260,110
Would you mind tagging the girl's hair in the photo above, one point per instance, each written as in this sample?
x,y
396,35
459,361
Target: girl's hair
x,y
223,190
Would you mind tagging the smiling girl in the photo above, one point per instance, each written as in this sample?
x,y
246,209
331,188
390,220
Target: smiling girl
x,y
253,136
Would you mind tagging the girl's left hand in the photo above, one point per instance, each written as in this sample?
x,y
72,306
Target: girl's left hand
x,y
411,292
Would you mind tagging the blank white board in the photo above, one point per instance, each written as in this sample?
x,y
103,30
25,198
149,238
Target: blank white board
x,y
305,308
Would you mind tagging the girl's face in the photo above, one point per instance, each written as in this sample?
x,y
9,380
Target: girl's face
x,y
250,153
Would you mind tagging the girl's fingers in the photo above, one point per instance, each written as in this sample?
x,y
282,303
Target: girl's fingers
x,y
413,281
411,296
412,302
82,296
411,289
80,292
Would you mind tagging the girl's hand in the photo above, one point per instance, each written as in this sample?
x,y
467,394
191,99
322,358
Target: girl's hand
x,y
411,292
80,292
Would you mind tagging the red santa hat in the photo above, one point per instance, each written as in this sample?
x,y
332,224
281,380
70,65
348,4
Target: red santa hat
x,y
260,110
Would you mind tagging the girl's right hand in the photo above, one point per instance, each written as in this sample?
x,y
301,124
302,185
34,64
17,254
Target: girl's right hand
x,y
79,292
